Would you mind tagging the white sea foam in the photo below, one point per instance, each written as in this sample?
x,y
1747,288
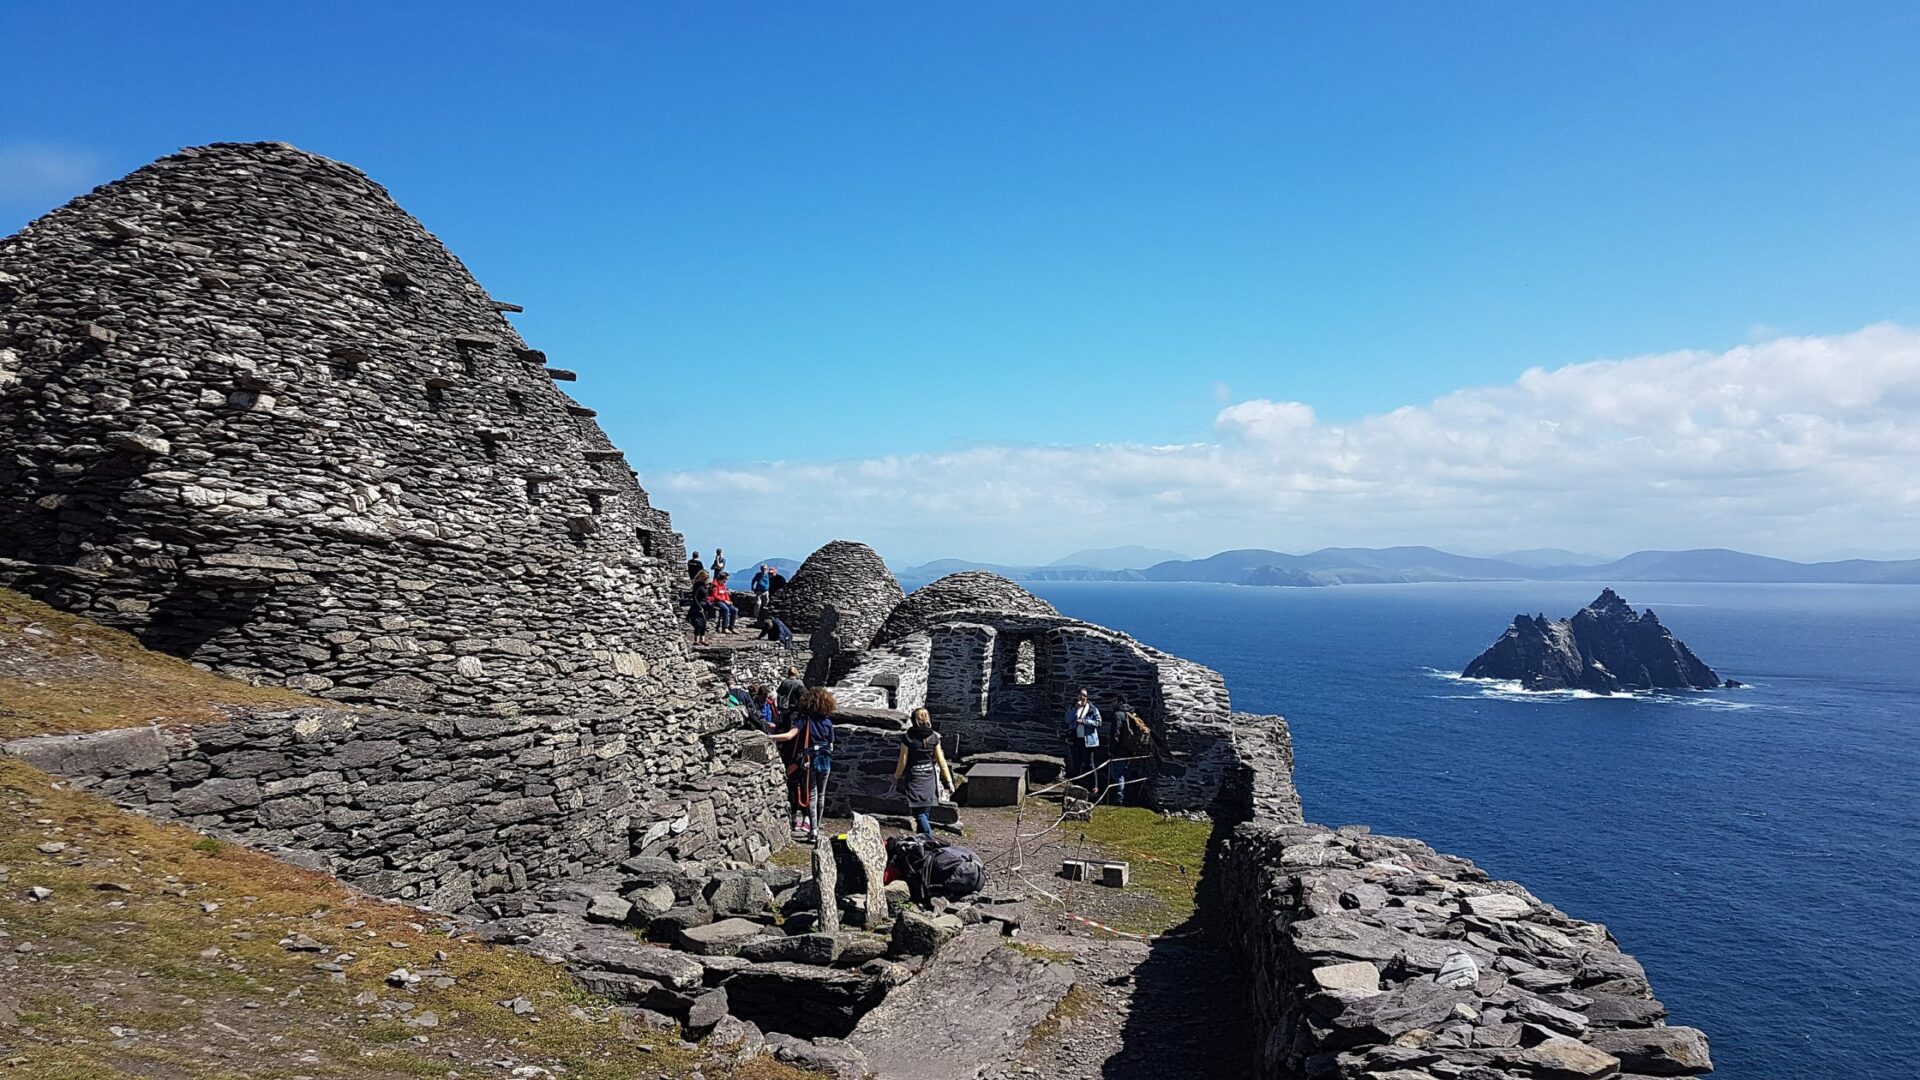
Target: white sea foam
x,y
1511,690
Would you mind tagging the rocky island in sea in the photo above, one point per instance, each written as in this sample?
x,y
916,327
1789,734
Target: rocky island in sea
x,y
1605,647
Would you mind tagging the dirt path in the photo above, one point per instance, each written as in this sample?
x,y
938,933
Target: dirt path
x,y
1141,1010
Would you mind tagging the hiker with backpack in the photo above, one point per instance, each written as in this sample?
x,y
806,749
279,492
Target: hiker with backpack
x,y
1083,742
924,764
1132,759
811,732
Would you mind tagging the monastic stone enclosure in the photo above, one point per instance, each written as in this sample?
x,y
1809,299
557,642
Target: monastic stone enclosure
x,y
844,590
254,413
258,415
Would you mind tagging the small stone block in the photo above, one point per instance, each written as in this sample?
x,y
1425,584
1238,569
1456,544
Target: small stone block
x,y
1115,875
996,784
1076,869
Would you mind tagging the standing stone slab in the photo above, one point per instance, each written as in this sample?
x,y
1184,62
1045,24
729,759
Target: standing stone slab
x,y
864,840
826,884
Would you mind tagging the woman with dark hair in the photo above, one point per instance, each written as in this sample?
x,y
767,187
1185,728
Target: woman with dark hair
x,y
924,765
811,732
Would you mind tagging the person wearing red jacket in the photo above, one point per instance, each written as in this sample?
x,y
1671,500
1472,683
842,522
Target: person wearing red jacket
x,y
722,600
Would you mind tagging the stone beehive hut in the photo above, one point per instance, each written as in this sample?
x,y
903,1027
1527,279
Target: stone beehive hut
x,y
252,411
968,590
852,580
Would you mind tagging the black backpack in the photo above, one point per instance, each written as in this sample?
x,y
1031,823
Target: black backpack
x,y
934,867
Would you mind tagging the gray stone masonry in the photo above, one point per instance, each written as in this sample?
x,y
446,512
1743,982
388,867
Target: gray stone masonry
x,y
439,811
968,590
254,413
848,579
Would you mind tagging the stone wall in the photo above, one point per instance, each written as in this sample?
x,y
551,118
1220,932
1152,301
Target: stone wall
x,y
438,810
1001,682
968,590
851,581
1376,956
1370,955
257,415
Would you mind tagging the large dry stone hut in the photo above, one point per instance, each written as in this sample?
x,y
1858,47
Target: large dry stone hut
x,y
247,397
254,413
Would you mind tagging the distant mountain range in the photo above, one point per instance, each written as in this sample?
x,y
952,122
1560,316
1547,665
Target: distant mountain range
x,y
1130,557
1367,566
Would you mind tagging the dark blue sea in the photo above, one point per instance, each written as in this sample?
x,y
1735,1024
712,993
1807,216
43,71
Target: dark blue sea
x,y
1757,849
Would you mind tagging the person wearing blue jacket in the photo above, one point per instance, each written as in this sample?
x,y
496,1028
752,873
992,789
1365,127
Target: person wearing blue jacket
x,y
1083,742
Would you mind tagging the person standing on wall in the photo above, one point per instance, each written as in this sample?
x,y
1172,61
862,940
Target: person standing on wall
x,y
924,765
1083,741
812,732
761,585
1132,760
719,563
695,568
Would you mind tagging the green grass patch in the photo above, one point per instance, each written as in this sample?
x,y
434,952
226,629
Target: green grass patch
x,y
1166,854
1077,1000
1040,952
97,679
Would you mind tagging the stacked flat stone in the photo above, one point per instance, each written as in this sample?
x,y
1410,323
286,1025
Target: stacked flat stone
x,y
851,579
440,810
968,590
1373,955
256,414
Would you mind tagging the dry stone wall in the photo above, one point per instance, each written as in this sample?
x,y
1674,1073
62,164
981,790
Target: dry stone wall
x,y
1001,682
253,412
442,810
968,590
851,581
1369,956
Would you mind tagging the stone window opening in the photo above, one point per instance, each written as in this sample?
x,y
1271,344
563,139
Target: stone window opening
x,y
343,370
517,402
645,537
1025,669
537,490
436,397
593,501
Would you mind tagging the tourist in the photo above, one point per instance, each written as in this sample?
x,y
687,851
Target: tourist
x,y
812,730
719,562
772,628
764,712
1132,758
1083,741
924,764
722,600
695,568
762,585
697,615
787,694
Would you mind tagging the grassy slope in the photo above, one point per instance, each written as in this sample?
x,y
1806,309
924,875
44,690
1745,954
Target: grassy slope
x,y
61,674
158,953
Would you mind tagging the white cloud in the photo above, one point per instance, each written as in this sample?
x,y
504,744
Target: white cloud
x,y
35,173
1790,446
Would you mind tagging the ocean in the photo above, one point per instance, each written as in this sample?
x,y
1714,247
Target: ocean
x,y
1757,849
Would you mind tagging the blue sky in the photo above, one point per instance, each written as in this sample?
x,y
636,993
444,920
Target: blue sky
x,y
941,242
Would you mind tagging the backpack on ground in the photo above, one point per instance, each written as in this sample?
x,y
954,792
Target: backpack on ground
x,y
934,867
